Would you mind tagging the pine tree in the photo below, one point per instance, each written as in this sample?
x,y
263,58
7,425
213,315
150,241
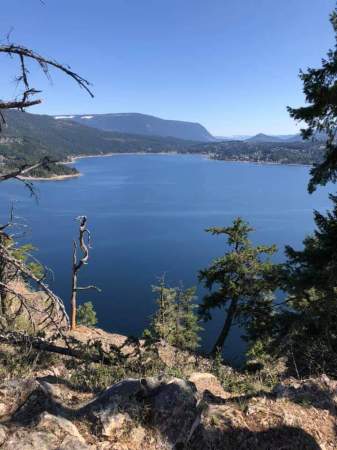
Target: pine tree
x,y
188,327
175,320
241,280
320,90
164,324
307,327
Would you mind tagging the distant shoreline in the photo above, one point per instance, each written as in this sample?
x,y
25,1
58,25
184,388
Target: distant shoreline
x,y
73,159
205,155
103,155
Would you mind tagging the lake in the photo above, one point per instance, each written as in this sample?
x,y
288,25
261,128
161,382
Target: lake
x,y
147,215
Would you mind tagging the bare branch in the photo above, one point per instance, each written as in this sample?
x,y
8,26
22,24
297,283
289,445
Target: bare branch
x,y
44,63
20,104
91,286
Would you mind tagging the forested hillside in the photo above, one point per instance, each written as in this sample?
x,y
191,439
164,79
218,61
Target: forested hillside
x,y
144,124
32,136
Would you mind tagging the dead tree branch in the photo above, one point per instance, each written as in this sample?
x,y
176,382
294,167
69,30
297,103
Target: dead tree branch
x,y
91,351
77,264
53,308
45,64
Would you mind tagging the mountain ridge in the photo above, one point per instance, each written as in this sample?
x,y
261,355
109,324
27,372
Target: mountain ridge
x,y
142,124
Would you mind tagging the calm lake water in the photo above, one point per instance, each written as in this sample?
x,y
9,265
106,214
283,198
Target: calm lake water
x,y
147,215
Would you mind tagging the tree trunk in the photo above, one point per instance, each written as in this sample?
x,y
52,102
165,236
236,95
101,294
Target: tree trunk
x,y
4,280
226,328
77,266
73,301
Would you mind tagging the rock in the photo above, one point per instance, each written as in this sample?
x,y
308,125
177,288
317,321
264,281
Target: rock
x,y
170,407
320,392
105,445
72,443
113,424
59,426
174,408
3,434
118,396
136,438
3,409
30,440
205,381
14,393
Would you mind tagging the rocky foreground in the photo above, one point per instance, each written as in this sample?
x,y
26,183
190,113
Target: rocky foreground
x,y
46,413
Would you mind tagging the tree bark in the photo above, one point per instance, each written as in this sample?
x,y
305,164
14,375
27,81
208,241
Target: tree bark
x,y
4,279
73,301
226,328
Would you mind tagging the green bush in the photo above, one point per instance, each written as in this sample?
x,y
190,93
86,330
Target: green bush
x,y
86,315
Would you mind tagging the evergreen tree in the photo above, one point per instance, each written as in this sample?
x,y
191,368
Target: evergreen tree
x,y
164,321
320,90
307,327
187,321
175,320
241,280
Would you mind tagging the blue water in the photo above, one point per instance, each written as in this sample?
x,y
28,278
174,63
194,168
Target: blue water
x,y
147,215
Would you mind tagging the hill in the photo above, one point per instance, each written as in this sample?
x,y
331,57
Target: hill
x,y
263,138
29,137
142,124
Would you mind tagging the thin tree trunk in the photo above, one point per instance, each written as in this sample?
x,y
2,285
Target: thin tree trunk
x,y
226,328
73,301
3,279
77,266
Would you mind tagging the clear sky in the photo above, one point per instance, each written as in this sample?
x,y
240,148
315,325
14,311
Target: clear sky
x,y
231,65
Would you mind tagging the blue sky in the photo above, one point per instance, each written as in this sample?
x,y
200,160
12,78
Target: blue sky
x,y
231,65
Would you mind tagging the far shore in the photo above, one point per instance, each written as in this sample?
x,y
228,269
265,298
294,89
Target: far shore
x,y
205,155
104,155
73,159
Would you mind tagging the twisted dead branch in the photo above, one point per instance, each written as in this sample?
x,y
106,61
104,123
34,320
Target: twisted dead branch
x,y
45,64
77,264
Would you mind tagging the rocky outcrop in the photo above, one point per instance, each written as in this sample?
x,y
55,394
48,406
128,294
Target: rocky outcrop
x,y
155,413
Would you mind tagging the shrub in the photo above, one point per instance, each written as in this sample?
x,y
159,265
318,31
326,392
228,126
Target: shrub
x,y
86,315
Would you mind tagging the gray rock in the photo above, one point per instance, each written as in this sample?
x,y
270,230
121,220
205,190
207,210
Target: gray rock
x,y
14,393
113,423
72,443
204,381
30,440
59,426
118,396
3,434
174,409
